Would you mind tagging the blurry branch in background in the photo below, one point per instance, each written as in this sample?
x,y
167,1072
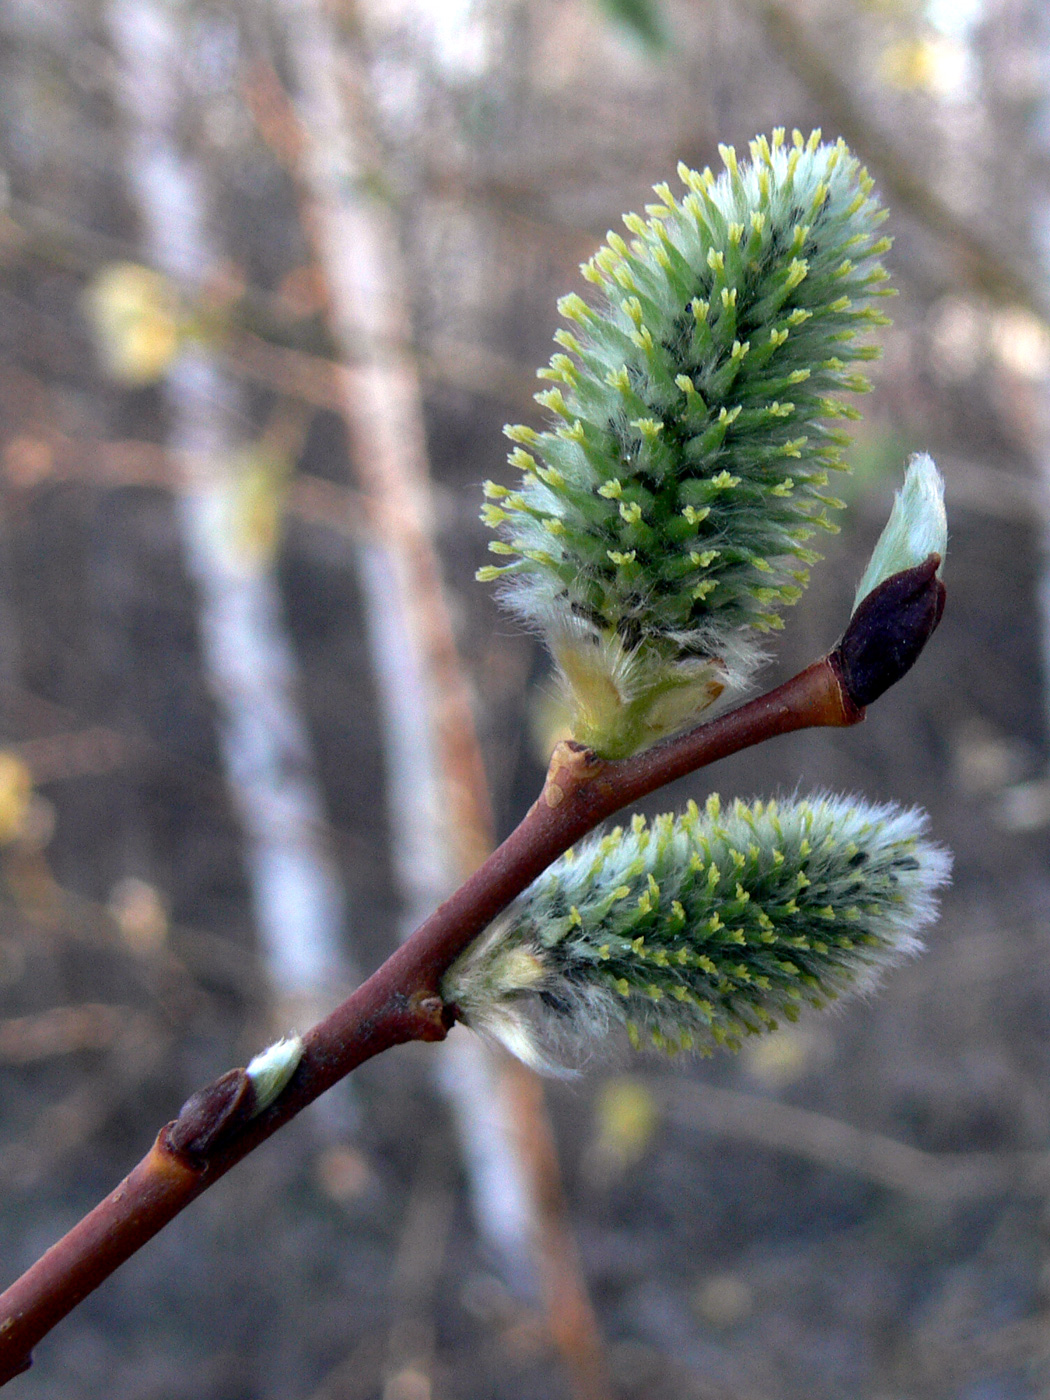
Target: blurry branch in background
x,y
979,261
437,795
33,462
454,364
61,1030
248,328
63,1127
40,457
296,889
828,1142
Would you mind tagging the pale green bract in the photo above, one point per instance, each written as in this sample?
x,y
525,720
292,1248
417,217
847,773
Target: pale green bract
x,y
700,929
271,1069
917,527
662,521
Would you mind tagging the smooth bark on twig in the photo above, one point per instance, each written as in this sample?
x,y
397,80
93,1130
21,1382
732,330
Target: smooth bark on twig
x,y
399,1002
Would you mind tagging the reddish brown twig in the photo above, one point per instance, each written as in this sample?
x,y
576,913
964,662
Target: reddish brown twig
x,y
402,1000
398,1003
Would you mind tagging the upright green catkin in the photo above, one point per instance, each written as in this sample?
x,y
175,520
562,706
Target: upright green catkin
x,y
662,520
703,928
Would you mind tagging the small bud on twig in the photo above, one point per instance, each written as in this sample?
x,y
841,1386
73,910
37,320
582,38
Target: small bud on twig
x,y
888,631
209,1116
900,598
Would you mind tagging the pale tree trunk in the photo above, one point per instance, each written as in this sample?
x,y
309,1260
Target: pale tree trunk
x,y
437,795
1033,29
296,889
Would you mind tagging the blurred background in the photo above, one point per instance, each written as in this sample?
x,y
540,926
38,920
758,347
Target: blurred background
x,y
273,274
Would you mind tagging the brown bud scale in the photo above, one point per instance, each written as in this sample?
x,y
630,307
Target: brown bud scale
x,y
888,631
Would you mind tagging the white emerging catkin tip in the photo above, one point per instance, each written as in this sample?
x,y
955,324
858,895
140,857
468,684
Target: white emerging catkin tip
x,y
917,527
272,1068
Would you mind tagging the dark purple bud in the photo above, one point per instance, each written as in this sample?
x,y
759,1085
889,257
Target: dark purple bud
x,y
889,629
211,1113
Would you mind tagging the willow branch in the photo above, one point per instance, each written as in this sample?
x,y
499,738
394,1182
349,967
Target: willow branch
x,y
402,1001
399,1002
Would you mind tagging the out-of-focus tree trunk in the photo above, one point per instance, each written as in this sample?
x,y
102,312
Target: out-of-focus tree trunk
x,y
1029,805
1034,24
437,793
296,889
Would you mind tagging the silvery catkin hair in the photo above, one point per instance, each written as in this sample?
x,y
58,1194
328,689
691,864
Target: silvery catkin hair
x,y
662,520
699,929
661,526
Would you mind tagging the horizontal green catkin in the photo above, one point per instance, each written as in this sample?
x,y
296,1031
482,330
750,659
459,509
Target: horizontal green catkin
x,y
663,517
697,930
